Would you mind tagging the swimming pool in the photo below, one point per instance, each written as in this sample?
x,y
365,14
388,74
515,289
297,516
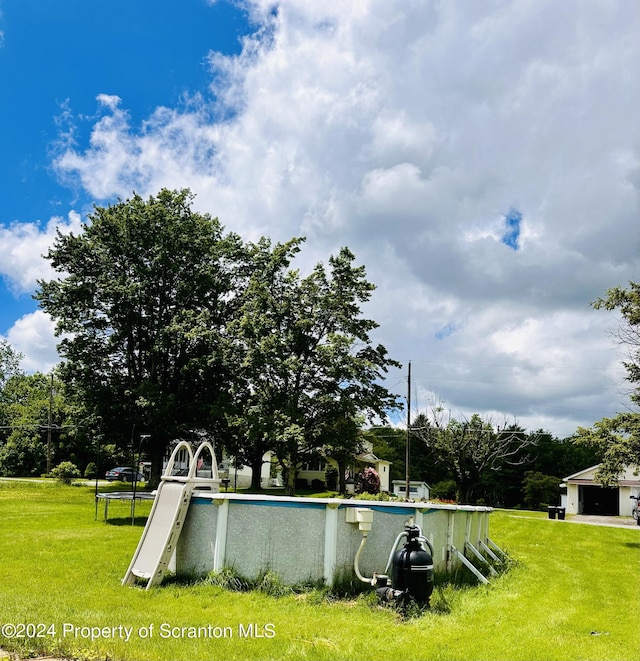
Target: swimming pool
x,y
312,539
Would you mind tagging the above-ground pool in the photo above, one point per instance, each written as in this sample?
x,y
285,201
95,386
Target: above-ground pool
x,y
316,539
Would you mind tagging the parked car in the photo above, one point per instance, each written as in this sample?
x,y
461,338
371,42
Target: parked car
x,y
123,474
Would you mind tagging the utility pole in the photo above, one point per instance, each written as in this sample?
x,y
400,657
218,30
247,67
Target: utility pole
x,y
49,427
134,476
407,449
98,435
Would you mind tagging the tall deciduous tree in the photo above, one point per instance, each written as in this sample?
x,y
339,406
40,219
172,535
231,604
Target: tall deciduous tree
x,y
619,437
307,361
37,424
141,302
9,362
471,448
9,368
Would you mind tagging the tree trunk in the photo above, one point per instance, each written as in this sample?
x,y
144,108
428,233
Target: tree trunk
x,y
156,455
290,483
464,493
256,470
342,468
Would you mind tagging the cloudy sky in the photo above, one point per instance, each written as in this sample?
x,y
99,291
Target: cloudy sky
x,y
480,158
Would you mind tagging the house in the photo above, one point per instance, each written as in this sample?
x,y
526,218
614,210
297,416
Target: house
x,y
586,496
240,476
417,490
317,470
381,466
271,475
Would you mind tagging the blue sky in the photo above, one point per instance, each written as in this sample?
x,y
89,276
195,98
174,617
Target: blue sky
x,y
481,159
512,223
58,57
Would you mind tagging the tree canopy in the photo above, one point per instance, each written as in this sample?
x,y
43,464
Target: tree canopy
x,y
9,362
618,438
471,448
307,365
170,326
141,304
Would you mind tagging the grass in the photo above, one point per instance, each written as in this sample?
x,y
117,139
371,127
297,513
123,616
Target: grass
x,y
572,594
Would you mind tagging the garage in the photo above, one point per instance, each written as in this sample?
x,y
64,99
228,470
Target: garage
x,y
585,495
604,501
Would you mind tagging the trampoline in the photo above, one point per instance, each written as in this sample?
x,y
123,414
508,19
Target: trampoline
x,y
123,495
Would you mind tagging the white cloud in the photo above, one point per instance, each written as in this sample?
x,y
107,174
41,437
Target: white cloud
x,y
23,263
408,131
33,336
110,101
24,246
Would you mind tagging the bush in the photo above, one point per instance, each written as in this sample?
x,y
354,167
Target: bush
x,y
444,490
368,481
317,485
66,472
382,496
331,475
22,455
91,470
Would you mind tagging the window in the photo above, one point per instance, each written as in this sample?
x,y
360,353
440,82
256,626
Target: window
x,y
317,465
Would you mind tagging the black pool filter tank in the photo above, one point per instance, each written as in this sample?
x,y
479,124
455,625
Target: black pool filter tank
x,y
412,569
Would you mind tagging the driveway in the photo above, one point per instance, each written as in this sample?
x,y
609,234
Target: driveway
x,y
612,521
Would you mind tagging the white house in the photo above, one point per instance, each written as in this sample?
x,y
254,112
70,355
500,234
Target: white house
x,y
316,470
381,466
417,490
271,475
240,476
586,496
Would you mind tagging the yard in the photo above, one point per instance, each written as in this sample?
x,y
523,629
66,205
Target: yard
x,y
572,594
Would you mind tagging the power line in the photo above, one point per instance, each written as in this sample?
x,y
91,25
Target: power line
x,y
510,365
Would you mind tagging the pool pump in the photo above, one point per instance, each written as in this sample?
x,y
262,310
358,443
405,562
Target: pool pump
x,y
411,569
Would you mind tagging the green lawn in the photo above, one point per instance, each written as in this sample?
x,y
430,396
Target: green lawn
x,y
572,594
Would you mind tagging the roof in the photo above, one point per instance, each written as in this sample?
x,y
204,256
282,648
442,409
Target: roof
x,y
583,473
415,483
629,477
370,458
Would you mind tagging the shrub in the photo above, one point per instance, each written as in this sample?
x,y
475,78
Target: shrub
x,y
22,454
444,490
301,483
317,485
368,481
331,475
382,496
65,472
91,470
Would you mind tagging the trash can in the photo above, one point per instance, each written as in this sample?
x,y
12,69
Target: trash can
x,y
552,511
561,511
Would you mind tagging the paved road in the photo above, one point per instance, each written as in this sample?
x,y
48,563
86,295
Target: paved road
x,y
21,479
86,483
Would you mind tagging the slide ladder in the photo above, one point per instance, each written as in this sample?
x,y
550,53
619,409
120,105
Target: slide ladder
x,y
164,525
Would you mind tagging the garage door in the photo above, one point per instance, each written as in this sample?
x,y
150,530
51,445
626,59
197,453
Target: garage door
x,y
600,500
